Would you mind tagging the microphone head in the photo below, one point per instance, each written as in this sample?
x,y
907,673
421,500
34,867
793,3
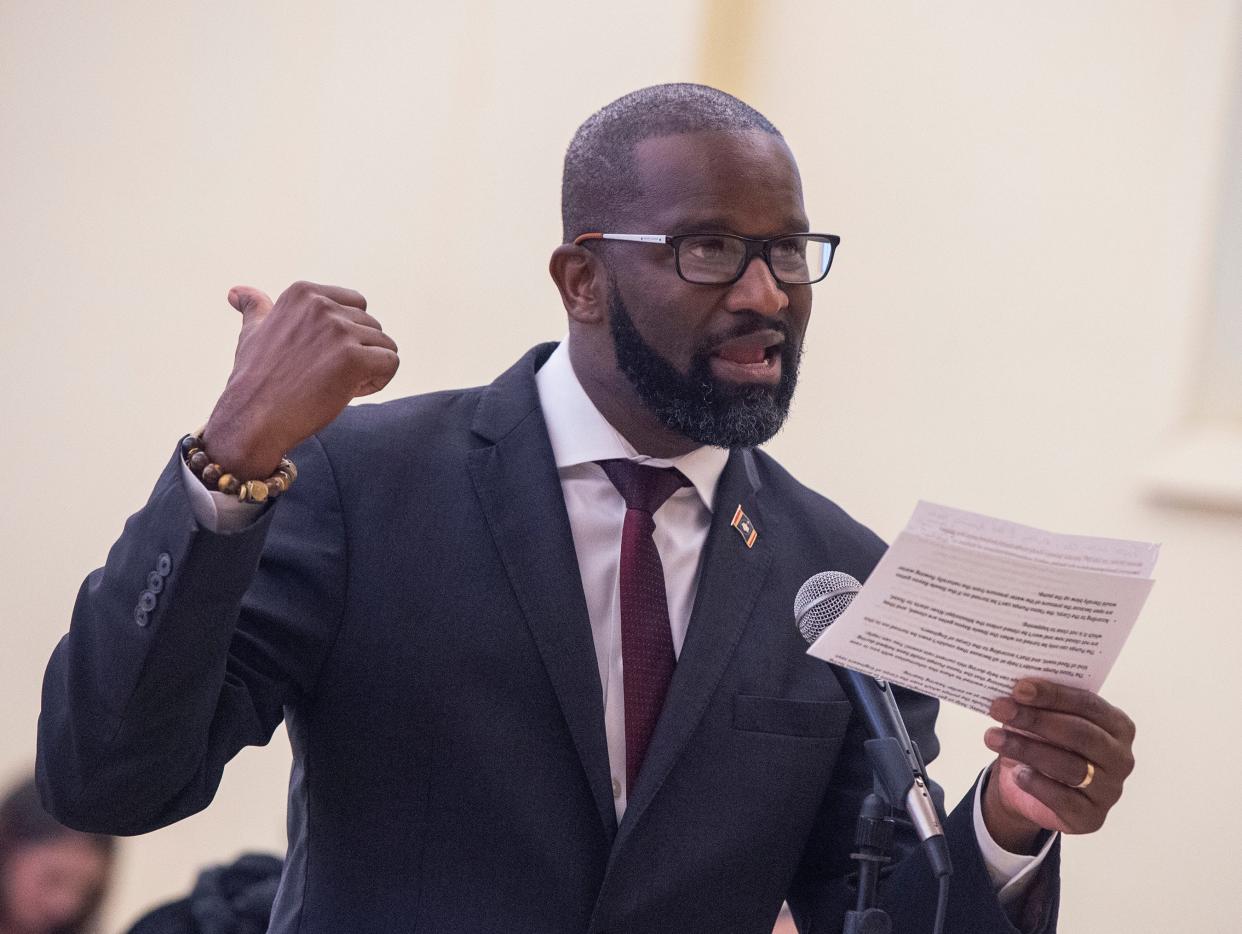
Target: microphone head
x,y
821,600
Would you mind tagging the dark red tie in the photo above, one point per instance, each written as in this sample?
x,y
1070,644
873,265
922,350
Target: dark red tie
x,y
647,658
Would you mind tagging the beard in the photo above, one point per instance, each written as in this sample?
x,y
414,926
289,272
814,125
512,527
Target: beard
x,y
698,406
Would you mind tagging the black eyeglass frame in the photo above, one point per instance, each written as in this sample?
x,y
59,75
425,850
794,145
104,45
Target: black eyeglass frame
x,y
753,246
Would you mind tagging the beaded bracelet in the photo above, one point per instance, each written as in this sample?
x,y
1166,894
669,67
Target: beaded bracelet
x,y
214,476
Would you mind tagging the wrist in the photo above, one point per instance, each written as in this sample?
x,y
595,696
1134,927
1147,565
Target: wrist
x,y
217,478
244,459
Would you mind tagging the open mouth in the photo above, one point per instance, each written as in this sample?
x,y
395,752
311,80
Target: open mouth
x,y
751,358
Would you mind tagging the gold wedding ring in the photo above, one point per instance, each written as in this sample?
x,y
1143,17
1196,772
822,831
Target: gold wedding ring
x,y
1090,777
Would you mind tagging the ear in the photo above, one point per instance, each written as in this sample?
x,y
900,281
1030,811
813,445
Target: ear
x,y
583,283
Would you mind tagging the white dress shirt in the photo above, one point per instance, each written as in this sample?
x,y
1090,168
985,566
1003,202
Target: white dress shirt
x,y
580,435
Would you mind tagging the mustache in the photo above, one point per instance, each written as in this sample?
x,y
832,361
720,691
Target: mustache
x,y
750,323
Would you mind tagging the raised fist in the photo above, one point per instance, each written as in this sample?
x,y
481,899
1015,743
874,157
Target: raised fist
x,y
298,363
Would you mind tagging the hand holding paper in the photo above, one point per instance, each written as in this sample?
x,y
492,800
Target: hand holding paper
x,y
1063,756
976,610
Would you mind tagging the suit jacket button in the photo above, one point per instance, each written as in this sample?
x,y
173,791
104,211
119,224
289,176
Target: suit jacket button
x,y
146,602
155,583
140,616
163,564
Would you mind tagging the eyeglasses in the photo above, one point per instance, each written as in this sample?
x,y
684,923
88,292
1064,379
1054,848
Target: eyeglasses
x,y
720,259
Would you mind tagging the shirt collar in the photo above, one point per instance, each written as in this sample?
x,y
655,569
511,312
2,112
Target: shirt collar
x,y
580,434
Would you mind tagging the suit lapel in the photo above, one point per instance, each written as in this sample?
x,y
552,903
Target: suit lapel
x,y
728,586
520,494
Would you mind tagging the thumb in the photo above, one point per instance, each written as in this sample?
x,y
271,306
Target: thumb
x,y
251,302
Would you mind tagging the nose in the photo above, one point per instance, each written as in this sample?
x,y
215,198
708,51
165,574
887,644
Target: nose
x,y
758,291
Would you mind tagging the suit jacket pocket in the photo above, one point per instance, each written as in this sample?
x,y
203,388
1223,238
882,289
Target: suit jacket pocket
x,y
789,717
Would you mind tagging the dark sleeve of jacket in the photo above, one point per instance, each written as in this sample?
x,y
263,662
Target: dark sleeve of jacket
x,y
142,708
908,891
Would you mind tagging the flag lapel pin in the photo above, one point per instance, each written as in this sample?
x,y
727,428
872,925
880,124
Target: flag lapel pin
x,y
745,527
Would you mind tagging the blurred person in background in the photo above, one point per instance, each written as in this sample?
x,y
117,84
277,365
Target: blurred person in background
x,y
52,879
230,899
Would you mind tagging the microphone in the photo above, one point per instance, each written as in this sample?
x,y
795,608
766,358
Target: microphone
x,y
894,757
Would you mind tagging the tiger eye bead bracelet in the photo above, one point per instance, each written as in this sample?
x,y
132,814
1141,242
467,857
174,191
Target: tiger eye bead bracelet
x,y
214,477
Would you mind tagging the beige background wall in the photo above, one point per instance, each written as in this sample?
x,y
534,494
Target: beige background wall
x,y
1027,196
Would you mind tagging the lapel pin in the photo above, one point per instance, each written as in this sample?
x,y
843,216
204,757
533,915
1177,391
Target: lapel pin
x,y
745,527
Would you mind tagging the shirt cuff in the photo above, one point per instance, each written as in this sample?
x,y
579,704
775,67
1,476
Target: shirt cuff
x,y
1011,873
217,512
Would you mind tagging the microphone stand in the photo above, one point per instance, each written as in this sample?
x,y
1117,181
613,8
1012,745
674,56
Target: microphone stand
x,y
899,773
894,786
873,837
873,834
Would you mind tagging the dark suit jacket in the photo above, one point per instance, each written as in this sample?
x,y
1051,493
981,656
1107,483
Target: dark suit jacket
x,y
413,610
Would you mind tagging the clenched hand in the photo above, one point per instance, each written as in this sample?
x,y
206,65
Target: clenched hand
x,y
299,362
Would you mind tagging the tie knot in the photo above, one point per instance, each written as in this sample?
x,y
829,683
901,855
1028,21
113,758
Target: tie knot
x,y
643,487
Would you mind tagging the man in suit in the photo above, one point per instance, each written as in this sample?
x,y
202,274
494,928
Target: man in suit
x,y
532,641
